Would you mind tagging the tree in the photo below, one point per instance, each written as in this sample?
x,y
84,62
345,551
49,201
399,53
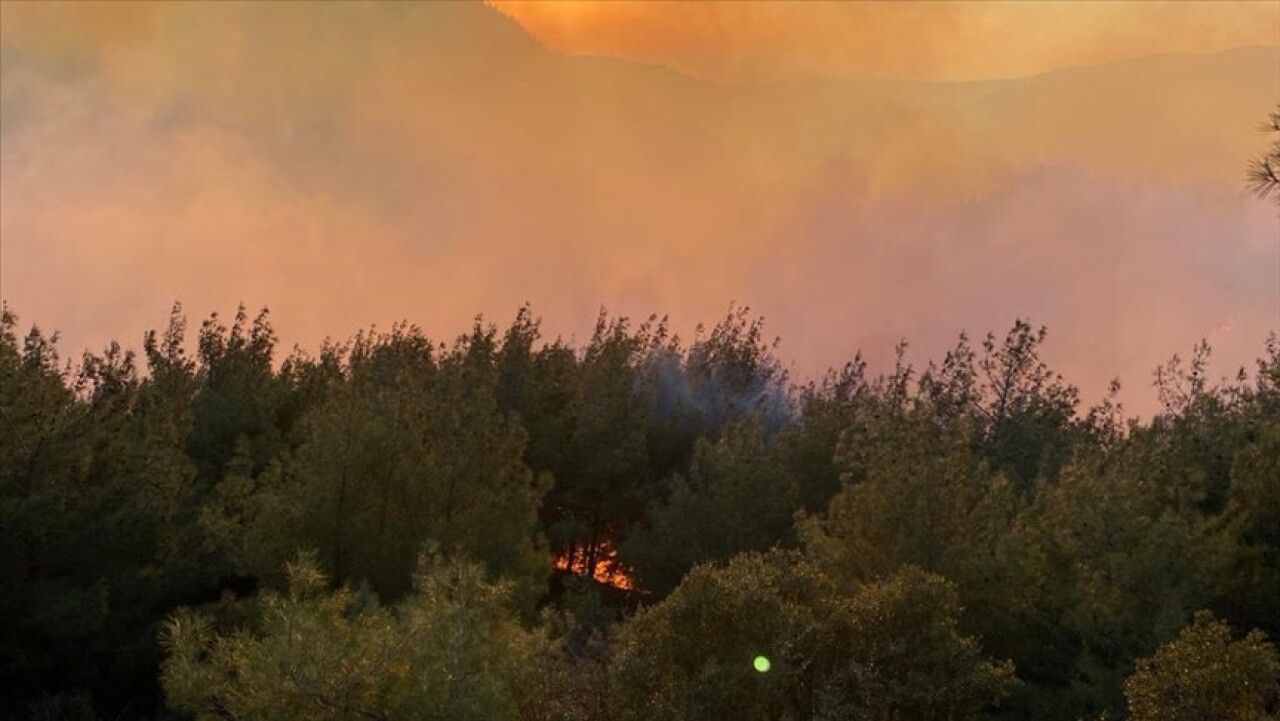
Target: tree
x,y
451,650
1251,525
890,650
237,394
1022,411
915,493
727,373
1263,177
1204,674
93,490
840,405
731,371
605,484
907,658
971,505
408,448
1114,564
690,656
737,498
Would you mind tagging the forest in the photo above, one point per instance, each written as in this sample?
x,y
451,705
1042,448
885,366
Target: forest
x,y
508,526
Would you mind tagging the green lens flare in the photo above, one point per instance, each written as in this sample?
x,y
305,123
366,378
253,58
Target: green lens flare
x,y
762,664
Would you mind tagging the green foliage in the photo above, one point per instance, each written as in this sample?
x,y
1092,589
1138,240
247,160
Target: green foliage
x,y
915,493
1204,674
1251,527
92,499
1022,412
1107,557
890,650
737,498
411,448
237,393
451,650
1071,543
731,371
842,404
608,483
907,658
1110,561
776,604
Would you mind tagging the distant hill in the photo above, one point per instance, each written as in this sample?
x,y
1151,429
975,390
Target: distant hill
x,y
433,159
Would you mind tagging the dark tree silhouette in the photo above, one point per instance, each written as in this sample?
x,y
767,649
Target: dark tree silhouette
x,y
1264,171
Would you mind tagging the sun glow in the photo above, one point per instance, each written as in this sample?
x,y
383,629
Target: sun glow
x,y
733,41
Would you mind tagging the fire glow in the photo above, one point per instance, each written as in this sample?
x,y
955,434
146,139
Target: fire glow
x,y
604,569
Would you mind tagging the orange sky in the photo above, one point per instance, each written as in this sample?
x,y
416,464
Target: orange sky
x,y
945,40
352,164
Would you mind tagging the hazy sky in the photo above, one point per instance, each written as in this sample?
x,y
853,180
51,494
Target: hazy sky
x,y
943,40
856,173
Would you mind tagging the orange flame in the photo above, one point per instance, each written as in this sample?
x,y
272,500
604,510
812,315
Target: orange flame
x,y
607,571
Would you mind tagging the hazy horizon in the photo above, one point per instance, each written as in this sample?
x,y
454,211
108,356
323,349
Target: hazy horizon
x,y
356,165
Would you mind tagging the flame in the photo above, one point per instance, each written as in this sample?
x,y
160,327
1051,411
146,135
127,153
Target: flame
x,y
607,571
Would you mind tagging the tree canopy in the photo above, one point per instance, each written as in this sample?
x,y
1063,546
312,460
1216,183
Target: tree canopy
x,y
508,526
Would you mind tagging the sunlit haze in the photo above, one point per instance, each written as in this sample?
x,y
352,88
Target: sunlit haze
x,y
856,173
